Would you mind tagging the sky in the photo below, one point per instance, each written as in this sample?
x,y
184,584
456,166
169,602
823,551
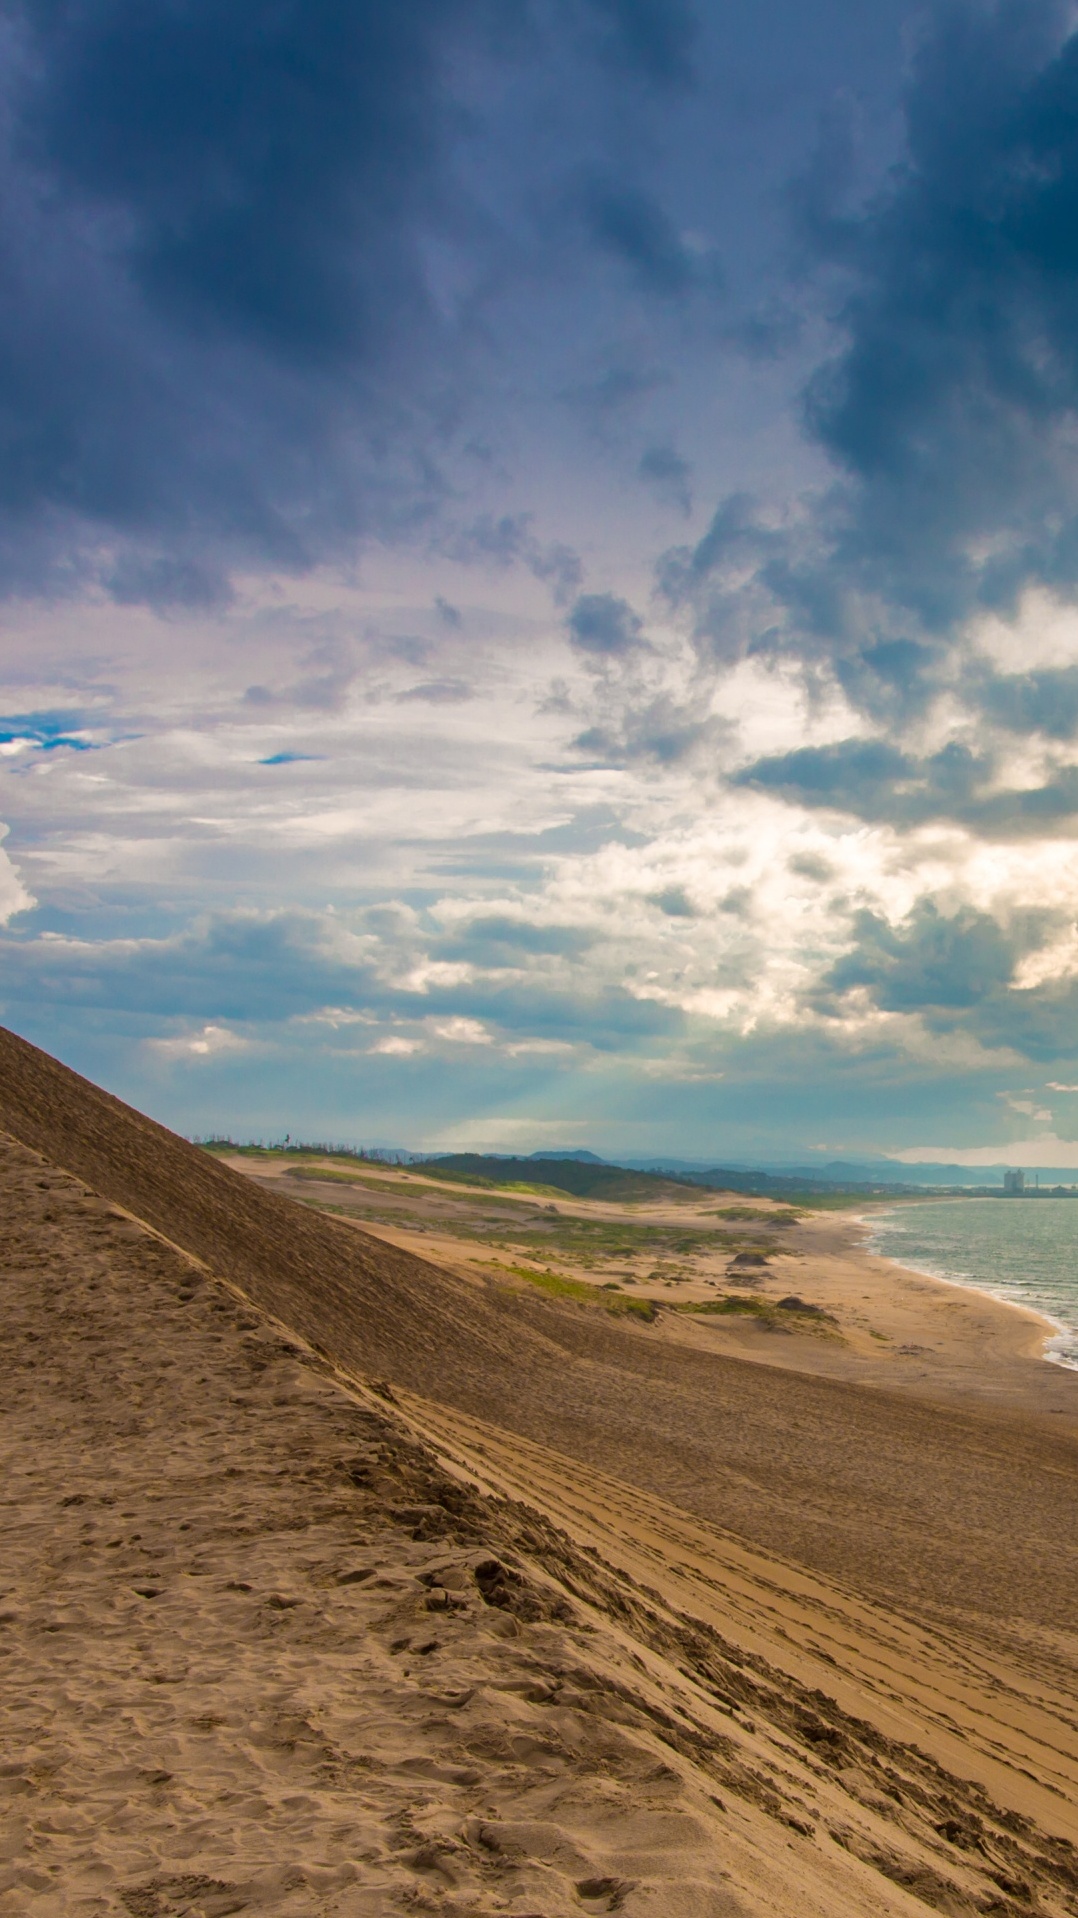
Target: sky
x,y
539,570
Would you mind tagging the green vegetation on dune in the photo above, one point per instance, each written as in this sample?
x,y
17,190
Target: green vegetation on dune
x,y
593,1240
728,1308
839,1201
588,1242
334,1174
754,1214
529,1222
559,1287
783,1315
526,1187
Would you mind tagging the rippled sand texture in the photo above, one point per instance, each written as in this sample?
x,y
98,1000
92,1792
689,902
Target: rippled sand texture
x,y
275,1641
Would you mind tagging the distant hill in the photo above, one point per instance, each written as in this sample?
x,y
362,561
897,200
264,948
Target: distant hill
x,y
840,1175
792,1184
586,1176
796,1184
585,1158
583,1175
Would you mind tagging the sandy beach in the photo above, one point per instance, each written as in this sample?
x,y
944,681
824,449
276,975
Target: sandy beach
x,y
342,1581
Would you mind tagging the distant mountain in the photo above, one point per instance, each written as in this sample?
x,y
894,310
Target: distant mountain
x,y
844,1175
581,1158
790,1185
587,1175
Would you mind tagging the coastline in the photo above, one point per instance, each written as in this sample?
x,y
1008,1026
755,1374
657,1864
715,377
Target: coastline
x,y
898,1328
1055,1329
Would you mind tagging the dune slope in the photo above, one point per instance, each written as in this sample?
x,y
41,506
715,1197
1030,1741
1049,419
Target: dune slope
x,y
941,1547
918,1505
260,1651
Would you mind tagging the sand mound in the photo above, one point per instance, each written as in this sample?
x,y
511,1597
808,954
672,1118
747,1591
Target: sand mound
x,y
912,1504
266,1648
262,1652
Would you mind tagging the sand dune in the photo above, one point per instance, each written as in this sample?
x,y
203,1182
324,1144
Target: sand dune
x,y
572,1620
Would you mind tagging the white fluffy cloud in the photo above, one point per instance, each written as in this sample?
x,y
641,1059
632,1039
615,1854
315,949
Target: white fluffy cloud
x,y
14,896
477,886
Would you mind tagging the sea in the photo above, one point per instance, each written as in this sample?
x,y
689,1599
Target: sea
x,y
1021,1249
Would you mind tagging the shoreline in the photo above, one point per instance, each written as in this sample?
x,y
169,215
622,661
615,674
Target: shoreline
x,y
898,1328
1055,1328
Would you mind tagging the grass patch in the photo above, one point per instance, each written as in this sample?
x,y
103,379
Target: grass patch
x,y
516,1218
730,1308
557,1287
602,1239
530,1190
754,1216
785,1315
335,1175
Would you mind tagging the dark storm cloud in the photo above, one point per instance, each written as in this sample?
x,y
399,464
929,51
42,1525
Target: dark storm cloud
x,y
241,966
956,971
210,247
949,405
857,776
878,782
755,585
245,144
947,412
167,584
888,678
240,259
604,625
1042,702
632,226
655,730
256,969
614,392
497,943
929,962
664,469
655,37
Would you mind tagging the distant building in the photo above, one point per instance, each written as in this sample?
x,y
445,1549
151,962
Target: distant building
x,y
1014,1182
